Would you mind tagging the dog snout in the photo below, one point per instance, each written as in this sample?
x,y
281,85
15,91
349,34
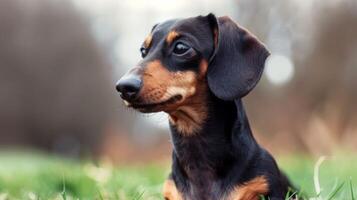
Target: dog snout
x,y
129,86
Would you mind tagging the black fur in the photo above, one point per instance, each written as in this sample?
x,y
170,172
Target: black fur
x,y
223,154
239,53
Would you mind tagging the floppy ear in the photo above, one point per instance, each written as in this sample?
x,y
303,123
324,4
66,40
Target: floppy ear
x,y
237,62
153,28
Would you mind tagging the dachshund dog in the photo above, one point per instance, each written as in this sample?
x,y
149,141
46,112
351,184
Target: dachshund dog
x,y
197,70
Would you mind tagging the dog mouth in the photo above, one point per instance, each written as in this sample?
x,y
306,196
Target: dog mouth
x,y
155,106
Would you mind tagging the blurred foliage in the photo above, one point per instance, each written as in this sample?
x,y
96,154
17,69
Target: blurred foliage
x,y
56,88
318,104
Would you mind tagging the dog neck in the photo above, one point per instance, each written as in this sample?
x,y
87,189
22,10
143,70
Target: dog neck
x,y
188,119
223,138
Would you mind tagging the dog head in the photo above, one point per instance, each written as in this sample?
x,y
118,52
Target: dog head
x,y
184,59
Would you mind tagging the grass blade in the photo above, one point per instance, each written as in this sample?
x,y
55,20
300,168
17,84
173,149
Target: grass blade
x,y
316,175
100,194
63,193
139,196
288,194
301,194
351,187
291,196
337,190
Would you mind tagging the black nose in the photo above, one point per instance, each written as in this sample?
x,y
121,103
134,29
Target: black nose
x,y
129,87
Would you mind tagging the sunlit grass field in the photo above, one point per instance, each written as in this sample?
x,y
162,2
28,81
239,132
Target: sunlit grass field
x,y
38,176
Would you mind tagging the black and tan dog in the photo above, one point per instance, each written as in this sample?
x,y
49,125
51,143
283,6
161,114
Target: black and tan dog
x,y
197,70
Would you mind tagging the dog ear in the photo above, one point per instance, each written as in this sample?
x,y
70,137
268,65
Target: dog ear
x,y
153,28
237,63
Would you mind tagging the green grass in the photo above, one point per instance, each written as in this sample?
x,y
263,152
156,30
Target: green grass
x,y
38,176
337,175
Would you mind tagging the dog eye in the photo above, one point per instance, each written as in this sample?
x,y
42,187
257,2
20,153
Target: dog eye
x,y
143,51
181,48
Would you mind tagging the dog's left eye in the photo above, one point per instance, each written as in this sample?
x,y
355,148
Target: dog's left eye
x,y
181,48
143,51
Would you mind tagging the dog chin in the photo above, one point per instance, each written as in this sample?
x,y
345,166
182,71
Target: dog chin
x,y
167,106
149,110
154,109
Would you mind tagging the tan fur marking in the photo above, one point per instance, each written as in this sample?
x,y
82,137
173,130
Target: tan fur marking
x,y
170,191
147,41
171,36
159,85
250,190
188,120
225,18
203,68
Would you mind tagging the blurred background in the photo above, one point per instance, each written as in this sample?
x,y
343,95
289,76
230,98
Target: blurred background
x,y
60,59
